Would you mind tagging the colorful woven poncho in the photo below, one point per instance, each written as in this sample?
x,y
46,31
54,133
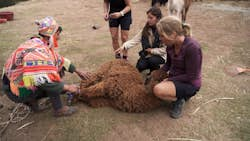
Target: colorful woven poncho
x,y
33,63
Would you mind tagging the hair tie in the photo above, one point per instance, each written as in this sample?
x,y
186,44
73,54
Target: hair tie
x,y
183,24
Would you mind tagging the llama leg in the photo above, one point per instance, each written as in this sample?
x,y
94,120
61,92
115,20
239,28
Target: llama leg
x,y
169,9
96,90
183,15
99,102
186,10
159,75
91,81
179,14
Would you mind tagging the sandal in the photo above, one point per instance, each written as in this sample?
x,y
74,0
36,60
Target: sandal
x,y
65,111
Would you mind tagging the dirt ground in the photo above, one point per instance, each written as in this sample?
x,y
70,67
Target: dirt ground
x,y
222,28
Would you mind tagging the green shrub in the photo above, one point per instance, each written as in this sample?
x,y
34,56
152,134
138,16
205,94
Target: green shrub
x,y
5,3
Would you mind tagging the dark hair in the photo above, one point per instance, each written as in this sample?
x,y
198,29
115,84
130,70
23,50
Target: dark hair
x,y
155,11
58,30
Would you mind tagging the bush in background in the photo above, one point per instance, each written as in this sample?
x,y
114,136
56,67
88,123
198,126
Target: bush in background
x,y
5,3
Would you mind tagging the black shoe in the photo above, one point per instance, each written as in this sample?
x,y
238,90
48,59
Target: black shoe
x,y
187,99
147,80
118,56
1,106
177,108
33,105
125,58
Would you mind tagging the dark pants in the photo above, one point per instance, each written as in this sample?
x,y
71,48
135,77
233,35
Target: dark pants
x,y
124,21
161,2
151,63
51,90
185,90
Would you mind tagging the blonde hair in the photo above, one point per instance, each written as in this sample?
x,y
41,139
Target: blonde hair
x,y
170,24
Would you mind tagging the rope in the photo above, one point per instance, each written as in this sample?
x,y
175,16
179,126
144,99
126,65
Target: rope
x,y
19,113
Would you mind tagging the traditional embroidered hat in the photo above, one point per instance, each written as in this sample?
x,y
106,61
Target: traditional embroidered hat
x,y
48,27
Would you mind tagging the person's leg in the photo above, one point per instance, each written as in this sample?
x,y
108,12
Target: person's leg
x,y
29,100
155,3
125,23
32,100
167,90
115,42
154,62
124,38
53,91
12,97
5,84
113,28
7,90
142,64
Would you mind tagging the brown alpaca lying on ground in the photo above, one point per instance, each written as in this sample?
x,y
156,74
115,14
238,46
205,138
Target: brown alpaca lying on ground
x,y
118,84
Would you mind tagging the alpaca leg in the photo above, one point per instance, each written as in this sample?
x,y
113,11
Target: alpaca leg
x,y
96,90
179,14
183,16
99,102
159,75
186,10
155,77
91,81
169,8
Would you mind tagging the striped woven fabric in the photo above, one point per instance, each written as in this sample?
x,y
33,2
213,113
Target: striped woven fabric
x,y
32,64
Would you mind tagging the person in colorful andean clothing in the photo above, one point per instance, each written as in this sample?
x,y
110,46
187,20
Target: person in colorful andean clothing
x,y
34,70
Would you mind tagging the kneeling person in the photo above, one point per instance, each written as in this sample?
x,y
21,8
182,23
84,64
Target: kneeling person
x,y
34,70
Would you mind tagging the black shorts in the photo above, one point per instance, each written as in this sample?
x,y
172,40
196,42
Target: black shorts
x,y
124,21
184,90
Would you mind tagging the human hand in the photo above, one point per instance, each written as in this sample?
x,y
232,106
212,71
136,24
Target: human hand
x,y
241,70
106,16
71,88
83,75
148,50
115,15
119,50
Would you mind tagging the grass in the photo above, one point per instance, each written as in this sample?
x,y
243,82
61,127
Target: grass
x,y
241,53
241,122
93,124
204,47
7,45
79,128
233,113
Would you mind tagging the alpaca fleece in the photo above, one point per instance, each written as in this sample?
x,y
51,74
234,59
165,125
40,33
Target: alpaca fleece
x,y
118,84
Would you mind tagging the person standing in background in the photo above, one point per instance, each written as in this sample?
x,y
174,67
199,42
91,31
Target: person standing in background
x,y
118,12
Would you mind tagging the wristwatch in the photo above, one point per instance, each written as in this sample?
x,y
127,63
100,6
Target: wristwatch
x,y
122,13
